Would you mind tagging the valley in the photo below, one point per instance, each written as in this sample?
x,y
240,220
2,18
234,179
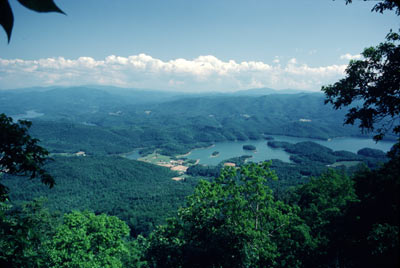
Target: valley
x,y
103,122
125,140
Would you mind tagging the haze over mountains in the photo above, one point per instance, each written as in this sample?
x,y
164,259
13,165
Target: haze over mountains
x,y
178,122
40,98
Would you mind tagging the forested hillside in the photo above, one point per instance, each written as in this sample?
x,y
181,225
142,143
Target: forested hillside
x,y
144,194
141,194
232,220
104,122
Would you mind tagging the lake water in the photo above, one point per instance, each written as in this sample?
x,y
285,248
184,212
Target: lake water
x,y
235,148
264,152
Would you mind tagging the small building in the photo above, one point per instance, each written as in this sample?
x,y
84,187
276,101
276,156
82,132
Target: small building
x,y
229,164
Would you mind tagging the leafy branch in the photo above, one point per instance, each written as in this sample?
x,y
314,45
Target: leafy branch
x,y
383,5
7,17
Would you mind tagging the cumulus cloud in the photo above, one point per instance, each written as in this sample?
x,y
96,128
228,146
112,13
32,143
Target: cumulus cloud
x,y
348,56
204,73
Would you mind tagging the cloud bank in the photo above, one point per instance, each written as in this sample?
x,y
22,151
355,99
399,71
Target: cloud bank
x,y
202,74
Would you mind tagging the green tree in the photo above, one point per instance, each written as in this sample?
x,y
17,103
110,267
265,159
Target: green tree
x,y
374,221
324,202
372,91
20,154
88,240
232,222
371,88
384,5
24,232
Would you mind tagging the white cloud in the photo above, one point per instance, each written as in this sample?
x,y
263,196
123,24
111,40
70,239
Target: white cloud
x,y
348,56
204,73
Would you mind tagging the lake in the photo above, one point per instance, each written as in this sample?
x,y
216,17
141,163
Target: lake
x,y
231,149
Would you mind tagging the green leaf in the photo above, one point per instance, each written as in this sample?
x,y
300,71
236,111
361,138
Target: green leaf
x,y
6,18
41,5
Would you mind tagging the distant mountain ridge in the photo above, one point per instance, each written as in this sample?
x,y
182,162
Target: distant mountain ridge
x,y
114,120
124,91
268,91
89,98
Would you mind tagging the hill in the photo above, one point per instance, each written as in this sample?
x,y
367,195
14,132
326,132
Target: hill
x,y
111,120
141,194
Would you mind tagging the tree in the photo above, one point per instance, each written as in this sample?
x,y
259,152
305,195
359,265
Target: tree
x,y
384,5
24,232
371,89
88,240
20,154
232,222
7,17
374,220
324,202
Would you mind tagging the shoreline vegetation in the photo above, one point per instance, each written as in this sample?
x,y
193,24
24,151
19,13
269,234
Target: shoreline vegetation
x,y
249,147
215,154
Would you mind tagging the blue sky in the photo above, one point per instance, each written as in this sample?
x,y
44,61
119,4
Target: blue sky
x,y
208,45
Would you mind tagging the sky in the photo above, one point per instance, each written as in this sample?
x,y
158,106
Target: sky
x,y
191,46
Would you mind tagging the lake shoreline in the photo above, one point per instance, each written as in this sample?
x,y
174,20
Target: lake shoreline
x,y
230,149
197,148
348,143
